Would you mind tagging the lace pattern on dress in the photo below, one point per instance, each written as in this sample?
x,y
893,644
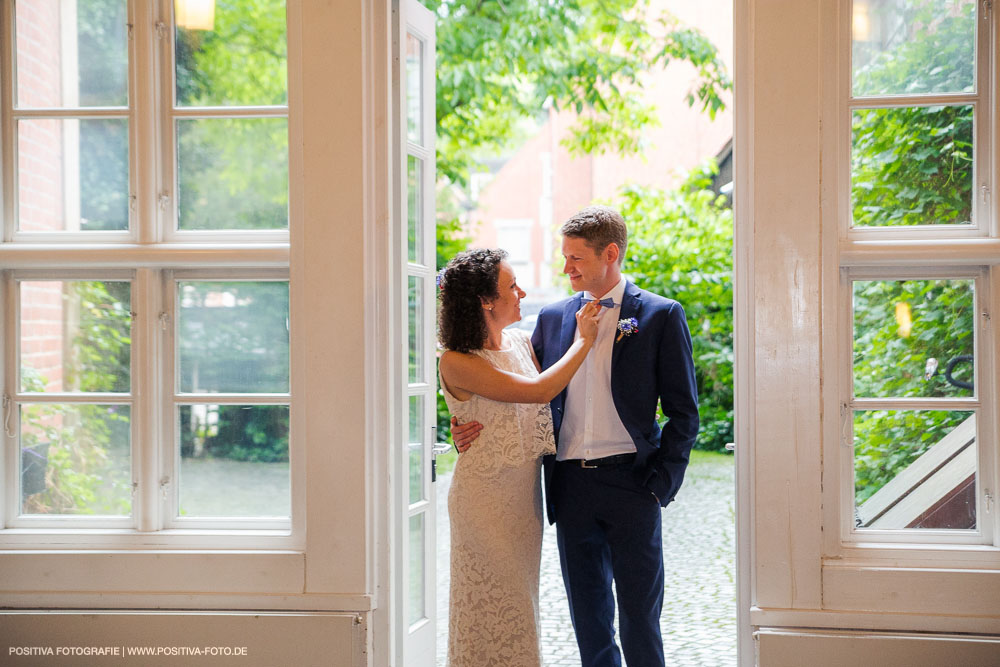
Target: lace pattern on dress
x,y
513,433
495,510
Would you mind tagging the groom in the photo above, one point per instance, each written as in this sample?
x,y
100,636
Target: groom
x,y
614,468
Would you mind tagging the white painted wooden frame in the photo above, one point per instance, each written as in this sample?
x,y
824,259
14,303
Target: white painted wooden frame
x,y
414,643
982,404
864,572
14,398
791,244
982,221
743,325
337,171
167,481
166,220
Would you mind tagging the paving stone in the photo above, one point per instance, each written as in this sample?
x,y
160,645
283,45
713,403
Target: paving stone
x,y
699,611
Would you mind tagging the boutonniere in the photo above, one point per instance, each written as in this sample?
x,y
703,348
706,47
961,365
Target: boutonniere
x,y
627,327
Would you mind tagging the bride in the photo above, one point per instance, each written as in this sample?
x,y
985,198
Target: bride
x,y
489,374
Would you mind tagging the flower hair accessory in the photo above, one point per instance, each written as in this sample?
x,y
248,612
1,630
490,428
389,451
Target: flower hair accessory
x,y
627,327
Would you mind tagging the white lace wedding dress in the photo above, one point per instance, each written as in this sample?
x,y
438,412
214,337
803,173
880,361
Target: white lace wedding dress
x,y
496,523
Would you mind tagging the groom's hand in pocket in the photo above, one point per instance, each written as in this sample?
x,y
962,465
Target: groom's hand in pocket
x,y
464,434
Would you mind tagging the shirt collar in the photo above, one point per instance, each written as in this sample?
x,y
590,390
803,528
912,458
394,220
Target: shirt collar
x,y
616,293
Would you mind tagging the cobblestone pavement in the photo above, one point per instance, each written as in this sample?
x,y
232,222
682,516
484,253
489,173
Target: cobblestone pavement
x,y
699,610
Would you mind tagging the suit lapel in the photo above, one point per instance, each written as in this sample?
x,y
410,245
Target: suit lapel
x,y
631,304
569,323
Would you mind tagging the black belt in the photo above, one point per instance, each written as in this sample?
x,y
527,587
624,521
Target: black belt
x,y
617,459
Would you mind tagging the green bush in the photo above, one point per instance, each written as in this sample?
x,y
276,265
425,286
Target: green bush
x,y
680,246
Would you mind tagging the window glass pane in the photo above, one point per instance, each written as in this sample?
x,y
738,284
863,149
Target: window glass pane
x,y
75,336
234,461
414,209
414,88
72,174
416,337
71,54
75,459
915,469
416,448
908,47
232,173
914,338
232,337
912,166
417,592
230,52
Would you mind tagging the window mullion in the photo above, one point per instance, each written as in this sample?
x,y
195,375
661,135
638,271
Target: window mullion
x,y
147,387
984,213
6,123
144,176
168,454
166,194
10,463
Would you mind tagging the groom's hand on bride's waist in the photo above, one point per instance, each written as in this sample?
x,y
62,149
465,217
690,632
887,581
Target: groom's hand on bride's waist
x,y
464,434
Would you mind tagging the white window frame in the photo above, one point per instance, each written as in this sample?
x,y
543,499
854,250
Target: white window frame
x,y
980,403
413,640
859,567
150,254
14,398
172,398
983,222
338,556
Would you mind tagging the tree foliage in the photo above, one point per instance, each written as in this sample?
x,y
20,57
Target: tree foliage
x,y
76,457
913,165
233,172
499,62
910,337
680,246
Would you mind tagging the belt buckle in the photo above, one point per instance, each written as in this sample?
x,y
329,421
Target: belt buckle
x,y
583,464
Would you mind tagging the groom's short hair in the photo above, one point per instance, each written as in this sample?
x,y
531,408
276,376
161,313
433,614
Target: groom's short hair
x,y
598,226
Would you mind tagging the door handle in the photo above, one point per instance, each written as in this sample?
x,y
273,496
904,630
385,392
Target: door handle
x,y
436,449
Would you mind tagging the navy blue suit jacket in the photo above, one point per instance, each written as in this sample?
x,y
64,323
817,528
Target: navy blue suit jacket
x,y
653,364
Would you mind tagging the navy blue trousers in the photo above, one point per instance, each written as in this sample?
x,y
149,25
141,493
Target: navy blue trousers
x,y
608,527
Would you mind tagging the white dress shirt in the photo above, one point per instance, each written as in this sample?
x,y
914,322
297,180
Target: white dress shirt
x,y
591,427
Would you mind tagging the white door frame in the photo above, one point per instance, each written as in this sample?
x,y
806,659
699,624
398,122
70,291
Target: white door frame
x,y
412,265
743,338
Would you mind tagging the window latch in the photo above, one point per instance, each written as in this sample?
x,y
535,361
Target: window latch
x,y
846,432
7,409
988,497
987,8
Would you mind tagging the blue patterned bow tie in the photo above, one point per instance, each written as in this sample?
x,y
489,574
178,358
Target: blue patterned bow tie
x,y
607,303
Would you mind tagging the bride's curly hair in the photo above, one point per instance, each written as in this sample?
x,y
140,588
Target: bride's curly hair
x,y
468,280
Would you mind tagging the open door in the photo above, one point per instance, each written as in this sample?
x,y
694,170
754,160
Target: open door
x,y
414,247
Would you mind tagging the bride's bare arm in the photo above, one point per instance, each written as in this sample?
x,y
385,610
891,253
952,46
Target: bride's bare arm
x,y
474,374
